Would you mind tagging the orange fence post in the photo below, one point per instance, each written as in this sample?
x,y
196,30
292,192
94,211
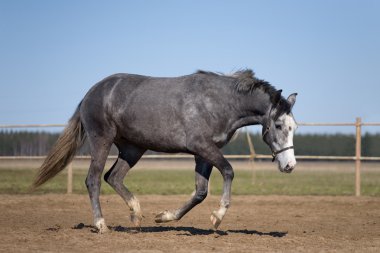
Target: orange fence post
x,y
358,156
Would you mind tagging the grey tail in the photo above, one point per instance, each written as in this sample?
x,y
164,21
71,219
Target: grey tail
x,y
63,151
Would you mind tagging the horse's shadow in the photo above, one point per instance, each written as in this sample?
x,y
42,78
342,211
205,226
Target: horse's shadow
x,y
186,231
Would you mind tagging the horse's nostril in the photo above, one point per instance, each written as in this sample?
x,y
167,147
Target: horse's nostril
x,y
288,169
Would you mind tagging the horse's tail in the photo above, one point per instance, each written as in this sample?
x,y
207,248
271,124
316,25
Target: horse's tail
x,y
63,150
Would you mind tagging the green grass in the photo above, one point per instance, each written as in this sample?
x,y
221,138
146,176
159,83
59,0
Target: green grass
x,y
166,182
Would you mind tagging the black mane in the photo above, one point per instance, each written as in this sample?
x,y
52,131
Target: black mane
x,y
246,82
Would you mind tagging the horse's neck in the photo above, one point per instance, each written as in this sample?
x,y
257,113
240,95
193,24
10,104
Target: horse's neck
x,y
253,109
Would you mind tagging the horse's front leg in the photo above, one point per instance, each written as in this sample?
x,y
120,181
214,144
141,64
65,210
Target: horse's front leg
x,y
202,174
211,153
227,172
228,175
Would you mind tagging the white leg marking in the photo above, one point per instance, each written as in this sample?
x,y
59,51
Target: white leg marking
x,y
136,216
101,226
217,216
165,216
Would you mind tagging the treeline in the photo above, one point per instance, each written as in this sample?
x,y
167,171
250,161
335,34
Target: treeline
x,y
24,143
311,144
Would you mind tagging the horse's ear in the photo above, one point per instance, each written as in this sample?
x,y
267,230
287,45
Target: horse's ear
x,y
292,100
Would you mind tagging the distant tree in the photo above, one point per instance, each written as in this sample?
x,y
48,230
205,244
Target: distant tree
x,y
15,143
371,145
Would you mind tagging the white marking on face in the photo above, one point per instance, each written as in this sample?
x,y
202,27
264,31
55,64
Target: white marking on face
x,y
286,158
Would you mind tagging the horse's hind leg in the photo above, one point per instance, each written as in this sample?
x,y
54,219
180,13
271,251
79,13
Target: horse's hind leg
x,y
100,147
128,157
202,174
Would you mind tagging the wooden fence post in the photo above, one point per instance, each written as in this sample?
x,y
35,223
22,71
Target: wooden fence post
x,y
70,178
252,155
358,156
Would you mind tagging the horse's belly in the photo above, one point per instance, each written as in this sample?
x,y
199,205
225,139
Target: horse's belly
x,y
162,138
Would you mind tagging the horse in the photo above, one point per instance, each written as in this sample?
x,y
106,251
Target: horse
x,y
195,114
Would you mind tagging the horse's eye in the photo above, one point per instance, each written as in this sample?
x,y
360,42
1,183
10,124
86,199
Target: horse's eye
x,y
278,127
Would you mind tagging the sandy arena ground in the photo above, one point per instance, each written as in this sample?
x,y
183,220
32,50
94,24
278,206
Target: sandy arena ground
x,y
62,223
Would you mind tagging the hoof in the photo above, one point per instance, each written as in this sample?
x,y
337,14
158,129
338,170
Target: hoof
x,y
101,226
215,220
164,216
103,230
136,219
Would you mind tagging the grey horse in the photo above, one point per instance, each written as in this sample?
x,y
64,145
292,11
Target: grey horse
x,y
196,114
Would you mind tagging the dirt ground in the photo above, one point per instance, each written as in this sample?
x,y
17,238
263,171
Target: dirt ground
x,y
62,223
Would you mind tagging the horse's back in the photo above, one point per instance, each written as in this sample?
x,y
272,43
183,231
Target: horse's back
x,y
140,109
161,114
105,97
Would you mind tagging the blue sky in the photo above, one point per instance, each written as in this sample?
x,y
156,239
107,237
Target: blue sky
x,y
52,52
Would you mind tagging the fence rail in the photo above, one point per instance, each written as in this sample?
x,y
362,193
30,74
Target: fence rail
x,y
337,124
358,124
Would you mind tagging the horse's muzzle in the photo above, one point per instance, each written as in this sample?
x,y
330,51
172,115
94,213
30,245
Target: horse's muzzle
x,y
288,169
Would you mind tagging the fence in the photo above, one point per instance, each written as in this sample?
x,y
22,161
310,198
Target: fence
x,y
358,124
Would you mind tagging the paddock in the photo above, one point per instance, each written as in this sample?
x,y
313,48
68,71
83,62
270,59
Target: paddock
x,y
59,222
314,209
262,221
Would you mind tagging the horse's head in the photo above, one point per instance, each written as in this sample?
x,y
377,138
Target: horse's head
x,y
278,132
